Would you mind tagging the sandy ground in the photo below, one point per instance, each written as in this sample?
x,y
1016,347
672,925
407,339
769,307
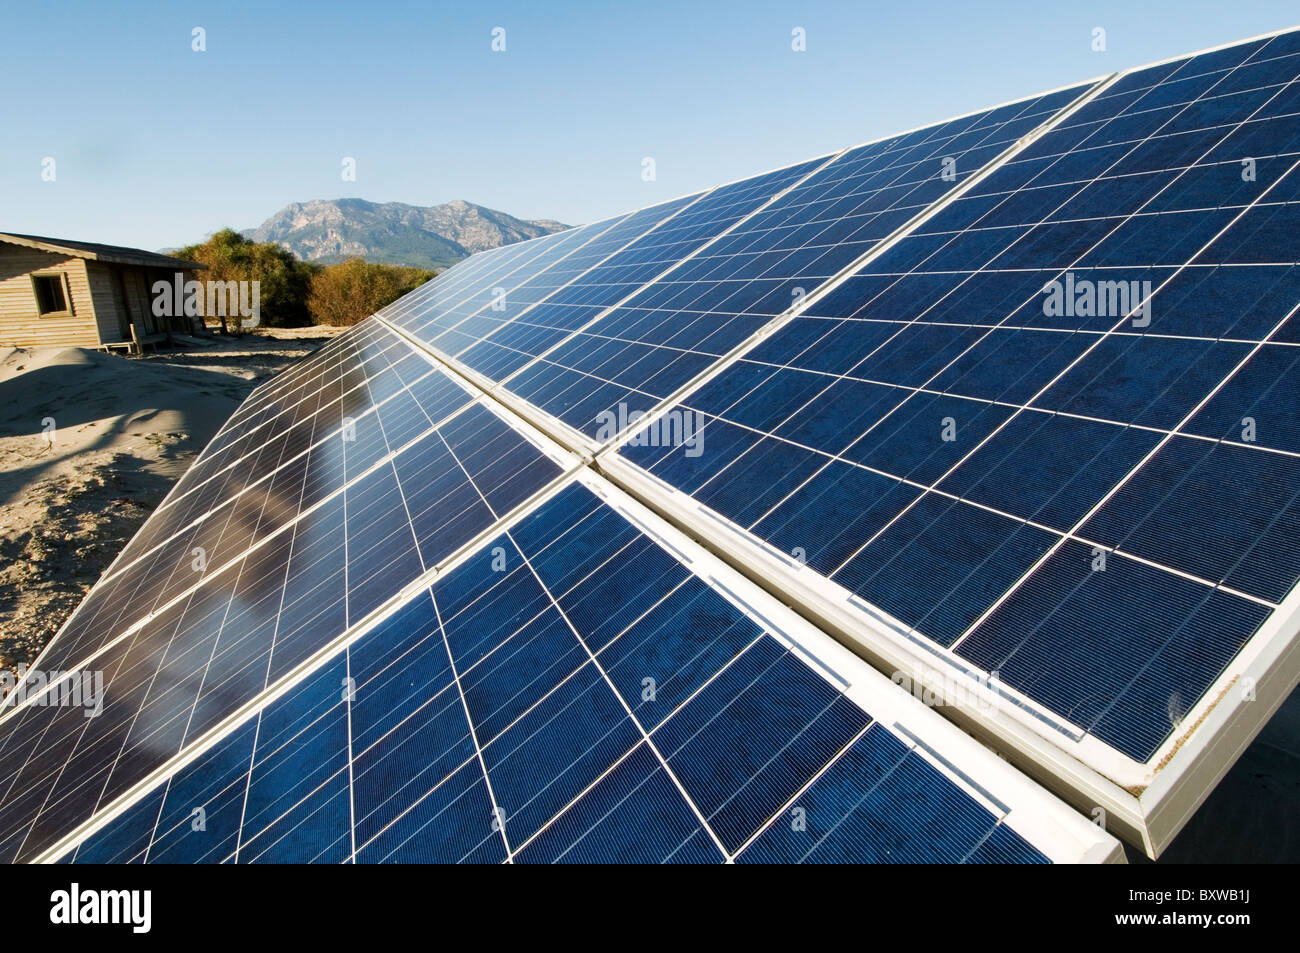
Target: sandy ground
x,y
89,445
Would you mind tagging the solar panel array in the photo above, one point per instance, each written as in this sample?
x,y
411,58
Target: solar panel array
x,y
516,693
1014,390
1120,430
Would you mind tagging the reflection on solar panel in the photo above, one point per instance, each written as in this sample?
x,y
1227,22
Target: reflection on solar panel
x,y
562,556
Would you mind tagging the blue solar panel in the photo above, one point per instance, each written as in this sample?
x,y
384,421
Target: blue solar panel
x,y
495,716
542,285
959,432
677,326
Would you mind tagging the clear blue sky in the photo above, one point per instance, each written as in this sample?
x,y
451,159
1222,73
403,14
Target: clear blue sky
x,y
157,145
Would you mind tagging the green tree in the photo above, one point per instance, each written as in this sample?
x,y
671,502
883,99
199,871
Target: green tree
x,y
353,290
284,280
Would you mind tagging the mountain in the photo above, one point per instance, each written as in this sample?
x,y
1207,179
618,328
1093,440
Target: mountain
x,y
393,232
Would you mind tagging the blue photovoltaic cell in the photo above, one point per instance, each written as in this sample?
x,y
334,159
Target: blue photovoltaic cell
x,y
490,719
1259,405
744,745
1172,513
126,841
1005,846
882,803
1032,355
310,772
1122,653
221,799
637,795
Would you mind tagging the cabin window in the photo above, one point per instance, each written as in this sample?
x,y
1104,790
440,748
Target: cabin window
x,y
51,294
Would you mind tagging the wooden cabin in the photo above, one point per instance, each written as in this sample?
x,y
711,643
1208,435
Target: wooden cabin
x,y
56,293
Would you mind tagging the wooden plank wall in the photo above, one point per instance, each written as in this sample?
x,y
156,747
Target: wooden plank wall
x,y
106,299
20,325
139,293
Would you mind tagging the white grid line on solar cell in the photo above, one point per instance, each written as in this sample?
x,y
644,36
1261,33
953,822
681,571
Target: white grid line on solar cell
x,y
832,376
497,814
266,680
